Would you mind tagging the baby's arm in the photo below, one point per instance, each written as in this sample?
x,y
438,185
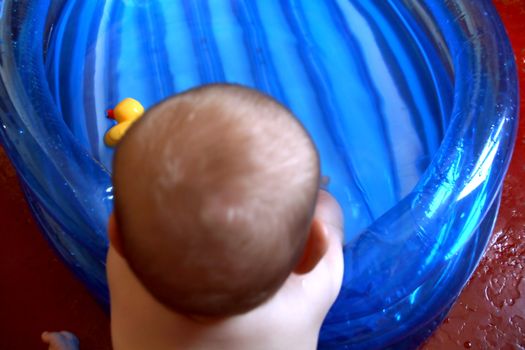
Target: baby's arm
x,y
330,213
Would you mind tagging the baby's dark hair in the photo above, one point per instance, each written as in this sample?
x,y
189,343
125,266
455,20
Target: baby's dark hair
x,y
215,190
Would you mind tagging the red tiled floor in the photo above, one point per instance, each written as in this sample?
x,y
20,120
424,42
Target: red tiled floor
x,y
38,293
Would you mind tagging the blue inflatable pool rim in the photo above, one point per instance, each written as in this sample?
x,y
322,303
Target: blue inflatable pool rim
x,y
401,274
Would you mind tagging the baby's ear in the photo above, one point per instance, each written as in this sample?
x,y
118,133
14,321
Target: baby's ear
x,y
115,238
315,249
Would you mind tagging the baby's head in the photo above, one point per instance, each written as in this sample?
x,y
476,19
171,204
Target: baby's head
x,y
214,195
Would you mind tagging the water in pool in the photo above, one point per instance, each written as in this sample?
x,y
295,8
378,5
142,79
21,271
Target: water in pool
x,y
356,73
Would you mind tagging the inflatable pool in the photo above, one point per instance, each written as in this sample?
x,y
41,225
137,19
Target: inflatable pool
x,y
412,104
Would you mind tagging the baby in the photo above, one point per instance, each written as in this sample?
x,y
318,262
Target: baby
x,y
221,238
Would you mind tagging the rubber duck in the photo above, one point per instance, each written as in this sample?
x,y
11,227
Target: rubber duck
x,y
127,112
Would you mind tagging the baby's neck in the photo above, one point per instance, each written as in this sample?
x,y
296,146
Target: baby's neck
x,y
231,335
138,321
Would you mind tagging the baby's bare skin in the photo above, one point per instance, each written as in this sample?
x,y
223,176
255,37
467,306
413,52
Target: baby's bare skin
x,y
291,319
209,247
284,322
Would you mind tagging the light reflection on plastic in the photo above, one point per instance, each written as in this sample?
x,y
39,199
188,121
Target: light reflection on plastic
x,y
483,166
471,225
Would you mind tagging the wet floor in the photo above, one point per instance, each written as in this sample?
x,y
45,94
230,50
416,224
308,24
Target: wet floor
x,y
37,291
